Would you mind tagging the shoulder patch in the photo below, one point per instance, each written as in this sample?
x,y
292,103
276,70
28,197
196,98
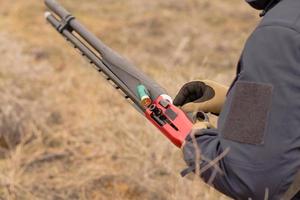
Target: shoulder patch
x,y
247,118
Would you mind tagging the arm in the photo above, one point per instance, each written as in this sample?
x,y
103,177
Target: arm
x,y
270,60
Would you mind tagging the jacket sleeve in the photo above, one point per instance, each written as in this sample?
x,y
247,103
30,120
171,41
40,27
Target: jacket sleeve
x,y
271,57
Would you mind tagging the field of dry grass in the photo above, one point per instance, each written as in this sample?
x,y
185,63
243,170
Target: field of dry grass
x,y
78,138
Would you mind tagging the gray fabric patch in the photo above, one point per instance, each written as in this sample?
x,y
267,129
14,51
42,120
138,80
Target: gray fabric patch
x,y
247,118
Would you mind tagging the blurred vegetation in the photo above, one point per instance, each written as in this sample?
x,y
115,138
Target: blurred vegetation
x,y
77,138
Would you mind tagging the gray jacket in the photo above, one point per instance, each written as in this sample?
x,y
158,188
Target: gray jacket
x,y
260,122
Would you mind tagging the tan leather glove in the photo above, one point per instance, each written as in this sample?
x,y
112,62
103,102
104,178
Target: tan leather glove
x,y
199,125
206,96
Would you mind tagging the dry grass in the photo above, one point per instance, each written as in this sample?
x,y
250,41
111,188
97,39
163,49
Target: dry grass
x,y
80,140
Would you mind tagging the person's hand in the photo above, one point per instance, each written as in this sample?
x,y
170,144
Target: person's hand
x,y
206,96
199,125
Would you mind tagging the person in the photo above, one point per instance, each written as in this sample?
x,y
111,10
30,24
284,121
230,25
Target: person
x,y
254,152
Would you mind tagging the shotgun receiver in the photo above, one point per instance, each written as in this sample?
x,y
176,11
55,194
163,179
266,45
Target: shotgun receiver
x,y
145,95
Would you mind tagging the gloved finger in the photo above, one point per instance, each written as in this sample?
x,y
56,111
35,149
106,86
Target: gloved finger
x,y
213,120
202,125
189,92
180,98
199,126
193,107
208,94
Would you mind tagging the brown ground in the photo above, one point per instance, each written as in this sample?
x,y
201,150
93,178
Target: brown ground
x,y
81,140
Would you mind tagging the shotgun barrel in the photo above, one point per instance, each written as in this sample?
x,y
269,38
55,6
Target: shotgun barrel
x,y
148,97
119,70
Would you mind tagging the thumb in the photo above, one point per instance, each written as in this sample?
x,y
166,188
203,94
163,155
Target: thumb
x,y
193,107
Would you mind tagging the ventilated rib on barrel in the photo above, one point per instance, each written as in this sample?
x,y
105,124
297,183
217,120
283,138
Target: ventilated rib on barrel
x,y
124,75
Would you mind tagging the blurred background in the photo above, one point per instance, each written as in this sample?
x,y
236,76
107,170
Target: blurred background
x,y
67,134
